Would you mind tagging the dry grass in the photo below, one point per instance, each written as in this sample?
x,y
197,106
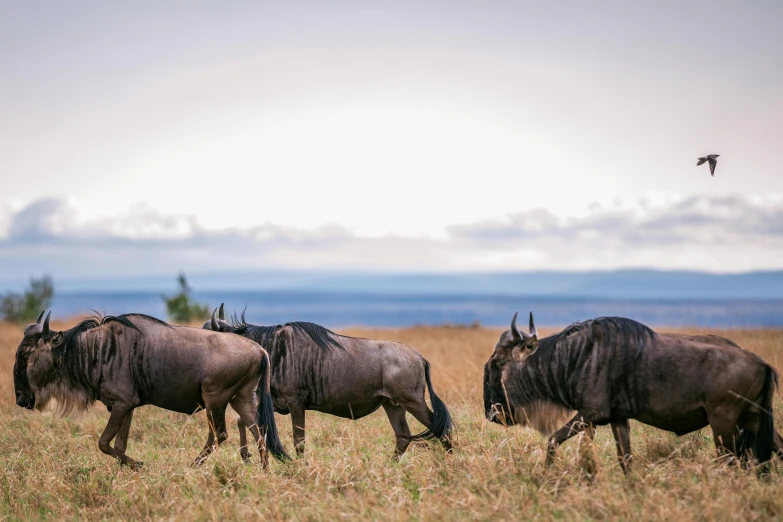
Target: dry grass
x,y
52,468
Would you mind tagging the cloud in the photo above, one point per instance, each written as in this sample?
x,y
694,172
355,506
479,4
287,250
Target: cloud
x,y
693,221
721,234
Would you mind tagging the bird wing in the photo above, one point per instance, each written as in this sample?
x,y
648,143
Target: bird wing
x,y
701,160
713,162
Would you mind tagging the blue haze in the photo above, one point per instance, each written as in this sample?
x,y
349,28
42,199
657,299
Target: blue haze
x,y
399,310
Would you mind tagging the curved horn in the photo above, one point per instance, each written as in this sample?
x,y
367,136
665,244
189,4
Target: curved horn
x,y
532,326
40,316
514,330
213,322
221,313
45,329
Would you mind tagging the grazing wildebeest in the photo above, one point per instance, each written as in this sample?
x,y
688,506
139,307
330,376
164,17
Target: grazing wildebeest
x,y
133,360
611,369
316,369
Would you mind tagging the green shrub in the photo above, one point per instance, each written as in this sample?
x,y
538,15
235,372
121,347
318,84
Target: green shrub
x,y
181,307
25,307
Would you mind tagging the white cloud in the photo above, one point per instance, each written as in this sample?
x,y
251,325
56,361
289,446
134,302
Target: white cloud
x,y
722,234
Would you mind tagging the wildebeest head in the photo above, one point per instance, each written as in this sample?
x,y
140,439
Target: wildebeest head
x,y
218,320
34,360
512,348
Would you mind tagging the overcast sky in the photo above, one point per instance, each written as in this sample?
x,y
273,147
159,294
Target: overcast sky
x,y
158,136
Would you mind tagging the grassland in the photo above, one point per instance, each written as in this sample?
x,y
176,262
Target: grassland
x,y
52,468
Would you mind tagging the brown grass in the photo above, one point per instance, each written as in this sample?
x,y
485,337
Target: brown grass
x,y
52,468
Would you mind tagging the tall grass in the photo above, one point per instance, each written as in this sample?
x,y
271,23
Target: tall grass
x,y
52,468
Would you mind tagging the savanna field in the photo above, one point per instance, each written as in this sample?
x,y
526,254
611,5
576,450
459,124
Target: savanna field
x,y
52,468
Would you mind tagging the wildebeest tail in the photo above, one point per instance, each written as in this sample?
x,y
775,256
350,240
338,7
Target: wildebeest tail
x,y
441,419
265,413
761,444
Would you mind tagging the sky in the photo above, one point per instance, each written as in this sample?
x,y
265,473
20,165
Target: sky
x,y
437,136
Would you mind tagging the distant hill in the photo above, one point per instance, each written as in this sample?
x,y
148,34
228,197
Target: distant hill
x,y
616,284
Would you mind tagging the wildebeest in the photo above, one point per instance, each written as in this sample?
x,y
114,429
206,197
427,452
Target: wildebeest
x,y
609,370
134,360
316,369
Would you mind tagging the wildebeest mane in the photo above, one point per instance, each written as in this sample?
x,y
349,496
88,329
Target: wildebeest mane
x,y
267,335
610,345
70,336
125,319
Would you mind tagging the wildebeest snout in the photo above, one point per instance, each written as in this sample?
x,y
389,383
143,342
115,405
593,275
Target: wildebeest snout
x,y
25,401
496,414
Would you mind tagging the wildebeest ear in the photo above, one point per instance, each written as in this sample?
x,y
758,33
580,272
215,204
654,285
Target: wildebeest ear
x,y
56,339
526,349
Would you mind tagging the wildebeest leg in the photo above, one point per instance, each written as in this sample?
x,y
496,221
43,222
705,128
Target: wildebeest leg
x,y
242,440
422,413
217,429
244,407
622,438
121,442
298,423
723,422
579,423
118,414
725,442
400,426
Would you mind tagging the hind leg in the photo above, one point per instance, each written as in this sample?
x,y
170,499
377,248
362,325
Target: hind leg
x,y
242,429
245,408
422,413
216,416
724,432
400,426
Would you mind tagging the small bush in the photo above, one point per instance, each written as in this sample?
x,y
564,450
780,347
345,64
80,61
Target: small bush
x,y
181,307
25,307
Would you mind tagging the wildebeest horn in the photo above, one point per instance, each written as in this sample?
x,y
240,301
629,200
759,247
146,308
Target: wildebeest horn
x,y
40,316
221,313
45,329
532,326
514,330
213,322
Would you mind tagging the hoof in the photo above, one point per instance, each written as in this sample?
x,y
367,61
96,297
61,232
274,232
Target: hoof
x,y
132,464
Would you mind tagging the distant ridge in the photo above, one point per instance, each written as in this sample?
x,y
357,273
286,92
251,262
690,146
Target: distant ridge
x,y
615,284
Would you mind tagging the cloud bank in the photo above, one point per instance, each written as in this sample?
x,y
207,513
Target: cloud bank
x,y
716,233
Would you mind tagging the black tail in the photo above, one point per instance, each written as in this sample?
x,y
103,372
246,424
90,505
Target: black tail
x,y
761,444
441,426
265,413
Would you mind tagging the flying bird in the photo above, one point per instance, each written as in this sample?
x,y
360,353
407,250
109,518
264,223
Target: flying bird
x,y
712,159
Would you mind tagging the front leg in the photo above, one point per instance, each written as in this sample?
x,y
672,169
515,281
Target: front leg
x,y
579,423
298,422
118,415
622,437
121,442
